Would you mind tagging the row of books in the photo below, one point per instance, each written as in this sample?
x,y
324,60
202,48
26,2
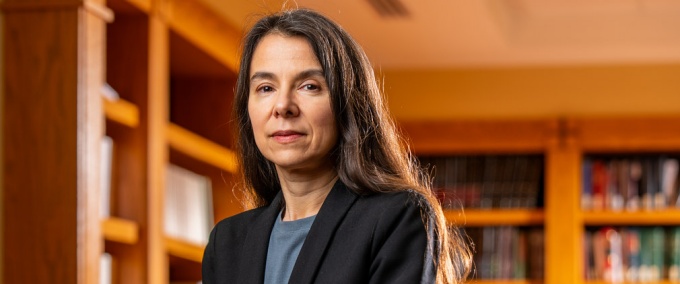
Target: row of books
x,y
188,210
487,181
507,253
632,254
630,183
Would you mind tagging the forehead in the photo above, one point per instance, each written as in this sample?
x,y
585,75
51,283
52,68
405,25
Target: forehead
x,y
277,50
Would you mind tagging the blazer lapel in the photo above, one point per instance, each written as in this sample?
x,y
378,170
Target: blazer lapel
x,y
333,210
254,252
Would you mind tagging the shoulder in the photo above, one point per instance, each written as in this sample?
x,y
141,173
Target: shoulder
x,y
237,224
388,210
391,201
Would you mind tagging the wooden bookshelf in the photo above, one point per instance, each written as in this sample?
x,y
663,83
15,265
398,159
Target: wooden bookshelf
x,y
564,143
120,230
163,95
495,217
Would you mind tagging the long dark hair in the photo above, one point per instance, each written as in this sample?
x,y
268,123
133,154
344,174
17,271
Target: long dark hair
x,y
369,156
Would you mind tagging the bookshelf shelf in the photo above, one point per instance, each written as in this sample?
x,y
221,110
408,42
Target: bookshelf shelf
x,y
130,6
652,217
492,217
120,230
491,281
184,250
200,148
122,112
626,282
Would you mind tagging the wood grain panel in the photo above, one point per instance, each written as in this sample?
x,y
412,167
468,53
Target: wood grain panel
x,y
52,123
479,136
629,134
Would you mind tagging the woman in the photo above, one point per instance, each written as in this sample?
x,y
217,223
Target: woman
x,y
338,198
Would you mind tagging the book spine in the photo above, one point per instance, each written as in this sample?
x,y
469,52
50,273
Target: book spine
x,y
587,184
673,249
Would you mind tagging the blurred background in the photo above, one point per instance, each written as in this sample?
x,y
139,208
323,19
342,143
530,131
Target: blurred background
x,y
517,58
551,130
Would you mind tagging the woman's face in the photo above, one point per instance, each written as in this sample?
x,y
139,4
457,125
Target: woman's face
x,y
289,105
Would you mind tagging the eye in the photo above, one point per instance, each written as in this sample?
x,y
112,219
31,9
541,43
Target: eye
x,y
310,87
265,89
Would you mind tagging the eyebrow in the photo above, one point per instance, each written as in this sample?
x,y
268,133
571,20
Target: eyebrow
x,y
303,74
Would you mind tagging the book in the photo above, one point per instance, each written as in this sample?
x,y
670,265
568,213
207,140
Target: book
x,y
587,184
599,184
613,256
633,202
615,199
631,253
105,269
673,254
669,178
188,205
105,172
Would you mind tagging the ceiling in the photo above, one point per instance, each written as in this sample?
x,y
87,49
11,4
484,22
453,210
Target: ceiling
x,y
445,34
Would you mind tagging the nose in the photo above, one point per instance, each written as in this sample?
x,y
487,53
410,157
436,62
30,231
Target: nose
x,y
286,106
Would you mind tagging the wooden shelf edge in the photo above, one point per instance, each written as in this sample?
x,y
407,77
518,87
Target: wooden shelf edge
x,y
491,281
628,282
144,5
201,148
120,230
206,29
500,217
122,112
184,250
651,217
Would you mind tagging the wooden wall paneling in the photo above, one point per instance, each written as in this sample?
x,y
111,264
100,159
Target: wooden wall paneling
x,y
53,122
128,73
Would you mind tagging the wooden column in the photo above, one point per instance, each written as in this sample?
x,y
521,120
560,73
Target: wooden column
x,y
563,225
159,79
53,123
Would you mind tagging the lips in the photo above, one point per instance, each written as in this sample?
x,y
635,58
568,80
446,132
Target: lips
x,y
286,136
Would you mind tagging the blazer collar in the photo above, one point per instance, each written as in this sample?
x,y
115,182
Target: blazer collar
x,y
331,214
254,252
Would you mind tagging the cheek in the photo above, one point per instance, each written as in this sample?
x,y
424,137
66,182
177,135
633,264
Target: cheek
x,y
327,122
255,122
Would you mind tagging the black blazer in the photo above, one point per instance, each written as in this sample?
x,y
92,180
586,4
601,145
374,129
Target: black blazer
x,y
377,238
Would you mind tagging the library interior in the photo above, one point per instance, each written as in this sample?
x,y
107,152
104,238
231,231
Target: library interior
x,y
551,130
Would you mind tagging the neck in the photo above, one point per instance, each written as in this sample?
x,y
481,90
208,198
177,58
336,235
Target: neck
x,y
304,194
